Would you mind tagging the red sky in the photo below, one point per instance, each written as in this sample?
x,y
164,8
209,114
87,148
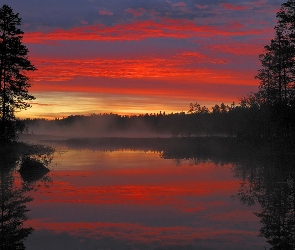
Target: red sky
x,y
137,56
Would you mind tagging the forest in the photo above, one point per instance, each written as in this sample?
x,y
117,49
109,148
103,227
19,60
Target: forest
x,y
252,121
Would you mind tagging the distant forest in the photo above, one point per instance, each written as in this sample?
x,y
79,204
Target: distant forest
x,y
246,120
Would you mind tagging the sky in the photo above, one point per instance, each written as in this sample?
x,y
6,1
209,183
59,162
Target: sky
x,y
141,56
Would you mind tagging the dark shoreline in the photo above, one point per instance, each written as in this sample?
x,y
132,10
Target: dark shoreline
x,y
218,149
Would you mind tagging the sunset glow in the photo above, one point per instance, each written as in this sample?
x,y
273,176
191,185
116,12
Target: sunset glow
x,y
135,58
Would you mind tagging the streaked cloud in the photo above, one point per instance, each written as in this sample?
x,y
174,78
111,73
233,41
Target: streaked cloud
x,y
105,12
177,48
139,30
237,7
135,13
179,4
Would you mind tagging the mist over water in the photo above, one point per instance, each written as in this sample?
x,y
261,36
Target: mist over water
x,y
142,126
92,129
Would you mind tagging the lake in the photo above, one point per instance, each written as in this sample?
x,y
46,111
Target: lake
x,y
112,196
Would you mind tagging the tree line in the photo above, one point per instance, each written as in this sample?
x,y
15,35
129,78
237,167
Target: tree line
x,y
232,121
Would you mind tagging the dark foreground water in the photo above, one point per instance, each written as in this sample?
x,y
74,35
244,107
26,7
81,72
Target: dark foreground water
x,y
99,198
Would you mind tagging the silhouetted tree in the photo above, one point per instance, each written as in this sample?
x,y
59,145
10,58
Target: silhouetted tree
x,y
277,216
196,108
286,19
272,108
13,201
13,213
216,109
286,26
277,73
14,194
14,83
269,181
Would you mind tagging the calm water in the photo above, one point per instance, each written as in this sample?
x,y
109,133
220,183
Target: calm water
x,y
135,199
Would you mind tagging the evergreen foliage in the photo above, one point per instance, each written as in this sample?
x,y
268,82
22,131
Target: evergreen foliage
x,y
274,103
14,83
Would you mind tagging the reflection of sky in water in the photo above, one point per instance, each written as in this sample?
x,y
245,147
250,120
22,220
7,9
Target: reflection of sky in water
x,y
137,200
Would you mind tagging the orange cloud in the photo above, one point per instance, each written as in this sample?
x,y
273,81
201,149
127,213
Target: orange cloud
x,y
63,70
166,90
178,68
125,98
42,104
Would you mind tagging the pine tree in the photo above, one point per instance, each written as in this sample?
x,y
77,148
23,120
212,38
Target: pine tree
x,y
277,73
14,63
286,19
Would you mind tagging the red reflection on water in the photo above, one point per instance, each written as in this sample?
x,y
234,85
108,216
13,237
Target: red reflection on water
x,y
143,199
137,233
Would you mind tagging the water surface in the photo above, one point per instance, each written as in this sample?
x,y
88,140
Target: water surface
x,y
135,199
147,194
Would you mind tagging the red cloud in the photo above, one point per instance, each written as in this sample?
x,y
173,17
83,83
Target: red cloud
x,y
180,4
63,70
138,30
105,12
192,54
238,49
135,13
229,6
148,78
202,6
179,66
195,57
